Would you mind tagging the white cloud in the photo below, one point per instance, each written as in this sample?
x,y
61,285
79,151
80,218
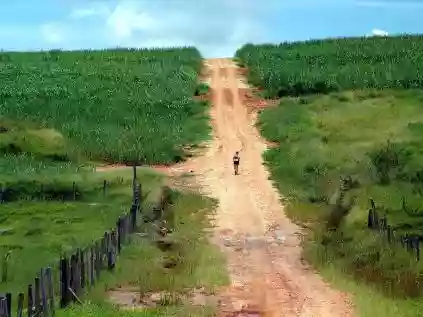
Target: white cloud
x,y
52,33
124,20
378,32
216,27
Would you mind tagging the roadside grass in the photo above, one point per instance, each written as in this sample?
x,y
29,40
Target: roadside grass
x,y
374,137
342,131
37,233
118,106
107,310
368,300
140,267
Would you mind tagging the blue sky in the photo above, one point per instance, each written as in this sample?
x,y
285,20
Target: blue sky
x,y
216,27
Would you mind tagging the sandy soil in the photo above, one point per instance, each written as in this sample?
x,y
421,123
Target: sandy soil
x,y
261,244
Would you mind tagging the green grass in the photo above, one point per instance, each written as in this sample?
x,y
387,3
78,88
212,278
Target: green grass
x,y
38,232
322,66
368,301
111,105
342,130
199,264
347,134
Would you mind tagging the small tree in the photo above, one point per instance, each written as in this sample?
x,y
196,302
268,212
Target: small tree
x,y
386,160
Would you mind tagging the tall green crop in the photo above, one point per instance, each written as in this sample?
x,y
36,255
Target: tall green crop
x,y
321,66
115,105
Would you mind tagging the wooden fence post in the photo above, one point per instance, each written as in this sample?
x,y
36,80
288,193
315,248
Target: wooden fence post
x,y
37,297
64,282
50,290
73,275
134,180
407,242
389,233
82,267
98,259
43,292
370,219
104,187
4,311
92,272
111,258
372,204
417,246
133,213
138,196
9,304
74,190
30,309
102,251
21,298
119,234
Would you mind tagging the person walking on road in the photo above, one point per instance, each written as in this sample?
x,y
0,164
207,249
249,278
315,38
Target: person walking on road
x,y
236,160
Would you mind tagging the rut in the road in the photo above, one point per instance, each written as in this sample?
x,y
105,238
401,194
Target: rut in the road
x,y
262,246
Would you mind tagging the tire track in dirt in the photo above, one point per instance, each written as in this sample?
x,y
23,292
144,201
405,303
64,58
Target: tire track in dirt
x,y
228,97
223,72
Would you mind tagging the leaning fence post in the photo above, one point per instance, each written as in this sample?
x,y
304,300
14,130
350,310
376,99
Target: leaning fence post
x,y
417,245
92,265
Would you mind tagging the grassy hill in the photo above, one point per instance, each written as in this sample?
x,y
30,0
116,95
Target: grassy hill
x,y
351,110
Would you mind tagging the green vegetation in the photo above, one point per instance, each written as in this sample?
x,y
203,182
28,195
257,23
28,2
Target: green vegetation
x,y
369,137
112,105
198,264
322,66
368,301
348,134
38,232
62,114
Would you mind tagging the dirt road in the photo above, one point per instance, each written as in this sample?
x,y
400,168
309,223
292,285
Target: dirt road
x,y
261,244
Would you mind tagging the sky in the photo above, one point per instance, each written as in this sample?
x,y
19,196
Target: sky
x,y
216,27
